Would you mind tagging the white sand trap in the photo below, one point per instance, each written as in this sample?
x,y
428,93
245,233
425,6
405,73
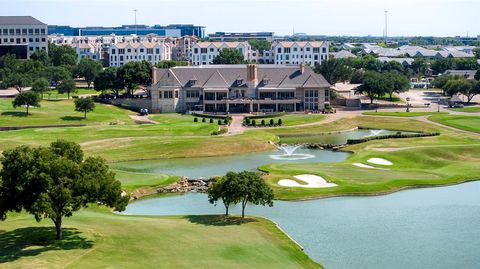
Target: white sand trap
x,y
312,181
379,161
363,165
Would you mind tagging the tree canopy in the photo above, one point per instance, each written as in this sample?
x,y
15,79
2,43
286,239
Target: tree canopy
x,y
229,56
41,86
18,80
26,99
67,86
88,69
108,80
133,74
374,85
260,45
170,64
84,105
243,187
53,182
334,70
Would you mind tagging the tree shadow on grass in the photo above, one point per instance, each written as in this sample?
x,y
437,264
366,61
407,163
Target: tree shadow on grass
x,y
32,241
218,220
72,118
14,113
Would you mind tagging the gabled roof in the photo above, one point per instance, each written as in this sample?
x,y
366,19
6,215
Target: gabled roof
x,y
312,81
213,76
19,20
216,81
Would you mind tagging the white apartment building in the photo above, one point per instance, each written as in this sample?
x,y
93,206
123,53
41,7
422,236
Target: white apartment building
x,y
203,53
88,50
22,35
298,52
153,52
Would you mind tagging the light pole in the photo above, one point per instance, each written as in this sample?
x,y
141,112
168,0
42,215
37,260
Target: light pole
x,y
135,12
408,104
386,26
438,104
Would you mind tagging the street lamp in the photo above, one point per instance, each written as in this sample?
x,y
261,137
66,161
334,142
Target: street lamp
x,y
408,104
438,104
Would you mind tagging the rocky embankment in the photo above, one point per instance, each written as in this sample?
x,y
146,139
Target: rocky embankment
x,y
183,185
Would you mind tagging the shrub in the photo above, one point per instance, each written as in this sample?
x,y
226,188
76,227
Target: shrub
x,y
204,120
280,122
212,116
219,122
272,122
211,120
254,123
397,135
195,119
262,122
247,121
225,121
221,130
275,115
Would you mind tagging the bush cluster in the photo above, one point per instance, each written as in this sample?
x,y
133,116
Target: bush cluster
x,y
391,136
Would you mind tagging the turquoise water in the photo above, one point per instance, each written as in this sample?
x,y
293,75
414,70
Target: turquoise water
x,y
422,228
217,166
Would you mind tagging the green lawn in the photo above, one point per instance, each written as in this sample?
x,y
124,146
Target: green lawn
x,y
468,109
468,123
80,91
402,114
395,98
59,112
134,180
96,238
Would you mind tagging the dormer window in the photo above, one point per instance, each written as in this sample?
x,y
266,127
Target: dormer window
x,y
265,81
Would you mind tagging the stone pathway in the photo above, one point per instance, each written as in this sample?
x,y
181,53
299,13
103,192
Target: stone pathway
x,y
236,126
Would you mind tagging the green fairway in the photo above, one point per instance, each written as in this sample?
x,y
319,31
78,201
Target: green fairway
x,y
80,91
96,238
468,109
59,112
468,123
402,114
134,180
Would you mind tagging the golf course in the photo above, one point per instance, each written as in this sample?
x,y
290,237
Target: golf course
x,y
97,237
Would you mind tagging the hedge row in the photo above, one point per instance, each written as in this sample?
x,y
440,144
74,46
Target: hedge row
x,y
253,122
274,115
398,135
211,120
208,116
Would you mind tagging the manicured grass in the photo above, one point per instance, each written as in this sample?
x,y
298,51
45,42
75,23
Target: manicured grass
x,y
468,123
295,119
468,109
96,238
59,112
134,180
395,98
402,114
80,91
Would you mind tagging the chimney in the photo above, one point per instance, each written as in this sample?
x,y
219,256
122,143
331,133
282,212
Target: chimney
x,y
154,75
302,68
252,74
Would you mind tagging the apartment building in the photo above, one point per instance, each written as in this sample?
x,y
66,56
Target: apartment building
x,y
153,52
203,53
22,35
238,89
182,48
298,52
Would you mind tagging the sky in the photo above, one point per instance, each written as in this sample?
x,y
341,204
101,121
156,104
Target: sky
x,y
319,17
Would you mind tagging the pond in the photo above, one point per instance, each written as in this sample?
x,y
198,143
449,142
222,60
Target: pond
x,y
422,228
206,167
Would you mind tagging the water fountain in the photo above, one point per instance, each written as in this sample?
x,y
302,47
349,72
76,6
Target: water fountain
x,y
375,132
290,155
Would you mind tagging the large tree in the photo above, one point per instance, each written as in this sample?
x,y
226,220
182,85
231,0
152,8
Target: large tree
x,y
41,86
18,80
224,189
133,74
170,64
67,86
88,69
53,182
57,74
251,188
396,83
334,70
108,80
62,55
84,105
374,85
229,56
260,45
26,99
40,56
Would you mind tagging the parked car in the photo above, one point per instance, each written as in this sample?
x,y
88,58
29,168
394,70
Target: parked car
x,y
143,111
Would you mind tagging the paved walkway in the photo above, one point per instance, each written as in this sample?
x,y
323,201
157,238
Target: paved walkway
x,y
142,119
236,127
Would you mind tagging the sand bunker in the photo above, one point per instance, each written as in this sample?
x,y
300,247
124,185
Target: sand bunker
x,y
312,181
363,165
379,161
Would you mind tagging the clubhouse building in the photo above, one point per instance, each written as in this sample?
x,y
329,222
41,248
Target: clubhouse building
x,y
238,89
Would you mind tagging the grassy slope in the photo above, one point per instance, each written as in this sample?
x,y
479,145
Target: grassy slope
x,y
402,114
59,112
469,123
98,239
134,180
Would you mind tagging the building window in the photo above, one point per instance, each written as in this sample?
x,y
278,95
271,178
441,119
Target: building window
x,y
17,31
287,50
195,50
203,50
176,94
168,94
157,51
37,31
149,51
324,50
12,31
316,50
129,50
121,51
113,51
193,93
311,100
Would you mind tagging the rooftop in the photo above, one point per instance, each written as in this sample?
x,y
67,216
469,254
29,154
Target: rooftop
x,y
19,20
